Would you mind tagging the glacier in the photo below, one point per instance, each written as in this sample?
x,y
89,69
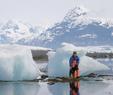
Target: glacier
x,y
16,63
58,65
78,27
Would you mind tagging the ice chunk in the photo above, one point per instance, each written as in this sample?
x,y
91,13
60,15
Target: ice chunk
x,y
16,63
58,65
89,65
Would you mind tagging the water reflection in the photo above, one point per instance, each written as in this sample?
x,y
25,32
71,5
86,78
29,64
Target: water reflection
x,y
59,89
71,88
74,88
82,88
96,87
19,88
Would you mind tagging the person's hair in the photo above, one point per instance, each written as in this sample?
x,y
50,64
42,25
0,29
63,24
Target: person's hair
x,y
74,52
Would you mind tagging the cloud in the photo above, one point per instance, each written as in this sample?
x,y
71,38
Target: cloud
x,y
50,11
99,7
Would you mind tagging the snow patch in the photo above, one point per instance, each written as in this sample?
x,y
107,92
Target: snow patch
x,y
112,34
92,36
76,12
15,31
91,49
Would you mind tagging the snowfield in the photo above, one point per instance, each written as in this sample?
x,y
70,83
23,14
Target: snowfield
x,y
91,49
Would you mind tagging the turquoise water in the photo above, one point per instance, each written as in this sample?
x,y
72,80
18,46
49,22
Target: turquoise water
x,y
41,88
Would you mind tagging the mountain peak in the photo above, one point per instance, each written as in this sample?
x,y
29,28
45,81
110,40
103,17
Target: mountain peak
x,y
76,12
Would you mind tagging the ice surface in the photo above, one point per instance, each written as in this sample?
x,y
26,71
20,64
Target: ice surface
x,y
58,65
16,63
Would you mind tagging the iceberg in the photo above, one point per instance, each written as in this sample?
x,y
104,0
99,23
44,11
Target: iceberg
x,y
16,63
58,65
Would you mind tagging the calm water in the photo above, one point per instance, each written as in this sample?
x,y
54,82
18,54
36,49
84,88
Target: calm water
x,y
76,88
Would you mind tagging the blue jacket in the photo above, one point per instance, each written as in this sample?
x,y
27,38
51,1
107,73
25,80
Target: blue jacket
x,y
72,58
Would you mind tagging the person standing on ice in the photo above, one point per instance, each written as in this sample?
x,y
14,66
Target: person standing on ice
x,y
74,63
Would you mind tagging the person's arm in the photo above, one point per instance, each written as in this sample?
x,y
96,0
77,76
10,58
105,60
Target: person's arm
x,y
78,60
70,61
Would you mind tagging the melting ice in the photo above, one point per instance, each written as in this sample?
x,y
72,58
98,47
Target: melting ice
x,y
16,63
58,65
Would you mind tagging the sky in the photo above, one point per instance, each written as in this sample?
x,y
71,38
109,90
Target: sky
x,y
47,12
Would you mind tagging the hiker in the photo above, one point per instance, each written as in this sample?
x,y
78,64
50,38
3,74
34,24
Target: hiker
x,y
74,62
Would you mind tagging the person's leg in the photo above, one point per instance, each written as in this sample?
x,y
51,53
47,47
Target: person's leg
x,y
70,72
78,73
75,75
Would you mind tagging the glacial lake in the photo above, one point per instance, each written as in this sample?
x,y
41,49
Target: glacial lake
x,y
91,87
87,87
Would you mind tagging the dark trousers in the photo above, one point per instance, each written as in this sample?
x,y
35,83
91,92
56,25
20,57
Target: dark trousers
x,y
72,70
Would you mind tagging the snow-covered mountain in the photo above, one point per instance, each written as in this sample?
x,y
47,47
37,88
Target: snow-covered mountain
x,y
78,27
17,32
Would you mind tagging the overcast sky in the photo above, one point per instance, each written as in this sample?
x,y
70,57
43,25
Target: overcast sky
x,y
47,12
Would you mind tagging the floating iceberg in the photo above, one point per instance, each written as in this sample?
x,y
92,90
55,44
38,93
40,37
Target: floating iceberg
x,y
16,63
58,65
